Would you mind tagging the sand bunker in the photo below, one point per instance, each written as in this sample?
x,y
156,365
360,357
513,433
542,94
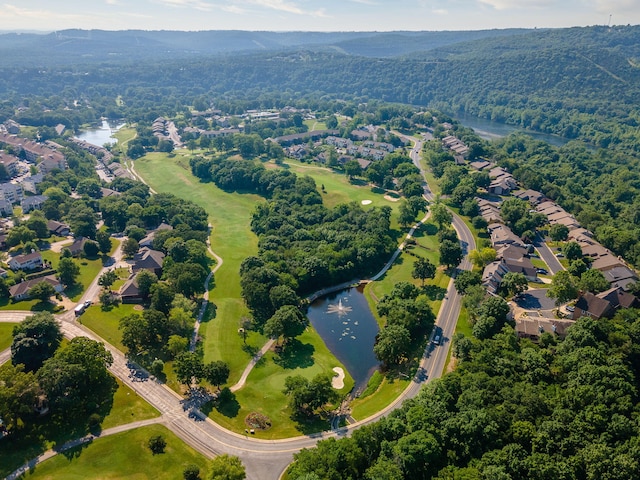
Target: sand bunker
x,y
337,381
391,199
366,202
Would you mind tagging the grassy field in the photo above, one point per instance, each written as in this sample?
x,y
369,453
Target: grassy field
x,y
231,238
386,393
105,323
124,455
127,407
6,337
263,391
89,269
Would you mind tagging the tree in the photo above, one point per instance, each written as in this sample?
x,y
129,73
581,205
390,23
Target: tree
x,y
130,247
145,279
392,344
558,232
308,396
157,444
38,225
593,281
423,269
162,296
562,287
287,321
191,472
91,249
76,380
406,216
577,267
18,235
450,253
68,271
216,373
441,214
176,345
466,279
572,251
107,278
188,368
495,307
35,340
352,169
104,241
226,467
514,283
482,258
42,291
18,391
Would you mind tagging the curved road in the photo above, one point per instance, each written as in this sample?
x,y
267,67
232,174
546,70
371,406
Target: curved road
x,y
266,459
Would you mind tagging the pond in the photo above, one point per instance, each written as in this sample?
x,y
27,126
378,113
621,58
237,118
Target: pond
x,y
349,330
491,130
101,135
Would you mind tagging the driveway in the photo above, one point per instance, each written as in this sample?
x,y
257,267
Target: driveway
x,y
535,300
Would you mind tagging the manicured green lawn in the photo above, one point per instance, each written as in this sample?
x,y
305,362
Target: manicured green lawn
x,y
127,407
124,455
263,390
29,305
386,393
89,269
231,238
105,323
6,337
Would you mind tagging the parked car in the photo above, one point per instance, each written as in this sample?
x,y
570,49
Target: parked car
x,y
541,271
570,308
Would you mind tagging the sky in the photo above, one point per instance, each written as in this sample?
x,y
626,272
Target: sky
x,y
312,15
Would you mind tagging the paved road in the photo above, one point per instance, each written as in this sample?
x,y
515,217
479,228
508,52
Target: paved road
x,y
547,255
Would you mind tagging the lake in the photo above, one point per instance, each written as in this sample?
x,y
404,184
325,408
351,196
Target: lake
x,y
101,135
346,325
490,130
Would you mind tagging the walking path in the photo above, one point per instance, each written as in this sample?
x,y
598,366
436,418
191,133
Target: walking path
x,y
256,358
205,301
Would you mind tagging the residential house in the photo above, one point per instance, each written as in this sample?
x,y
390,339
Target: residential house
x,y
20,291
52,161
30,183
58,228
502,235
32,203
532,196
30,261
533,327
129,292
603,304
482,165
11,192
148,259
9,162
489,210
6,208
77,247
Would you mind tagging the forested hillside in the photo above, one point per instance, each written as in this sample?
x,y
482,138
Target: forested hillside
x,y
510,410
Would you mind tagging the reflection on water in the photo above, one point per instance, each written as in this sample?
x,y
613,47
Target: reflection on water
x,y
100,136
490,130
346,325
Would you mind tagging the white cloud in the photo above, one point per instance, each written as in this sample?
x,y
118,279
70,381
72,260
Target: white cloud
x,y
11,11
196,4
516,4
365,2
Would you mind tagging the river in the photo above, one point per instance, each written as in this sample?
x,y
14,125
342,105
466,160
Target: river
x,y
101,135
349,330
490,130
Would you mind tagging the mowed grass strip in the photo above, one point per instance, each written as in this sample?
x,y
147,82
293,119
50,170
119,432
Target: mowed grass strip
x,y
123,455
105,323
6,335
127,407
231,238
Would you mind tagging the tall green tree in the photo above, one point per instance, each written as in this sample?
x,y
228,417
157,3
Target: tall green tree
x,y
68,271
423,269
35,340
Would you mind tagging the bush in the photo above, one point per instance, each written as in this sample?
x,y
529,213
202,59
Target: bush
x,y
157,444
191,472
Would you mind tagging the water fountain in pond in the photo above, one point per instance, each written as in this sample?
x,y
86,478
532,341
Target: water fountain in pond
x,y
339,308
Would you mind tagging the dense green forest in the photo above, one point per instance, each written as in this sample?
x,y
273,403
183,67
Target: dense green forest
x,y
304,246
512,409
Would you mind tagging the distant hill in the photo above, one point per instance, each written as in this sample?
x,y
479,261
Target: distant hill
x,y
97,46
